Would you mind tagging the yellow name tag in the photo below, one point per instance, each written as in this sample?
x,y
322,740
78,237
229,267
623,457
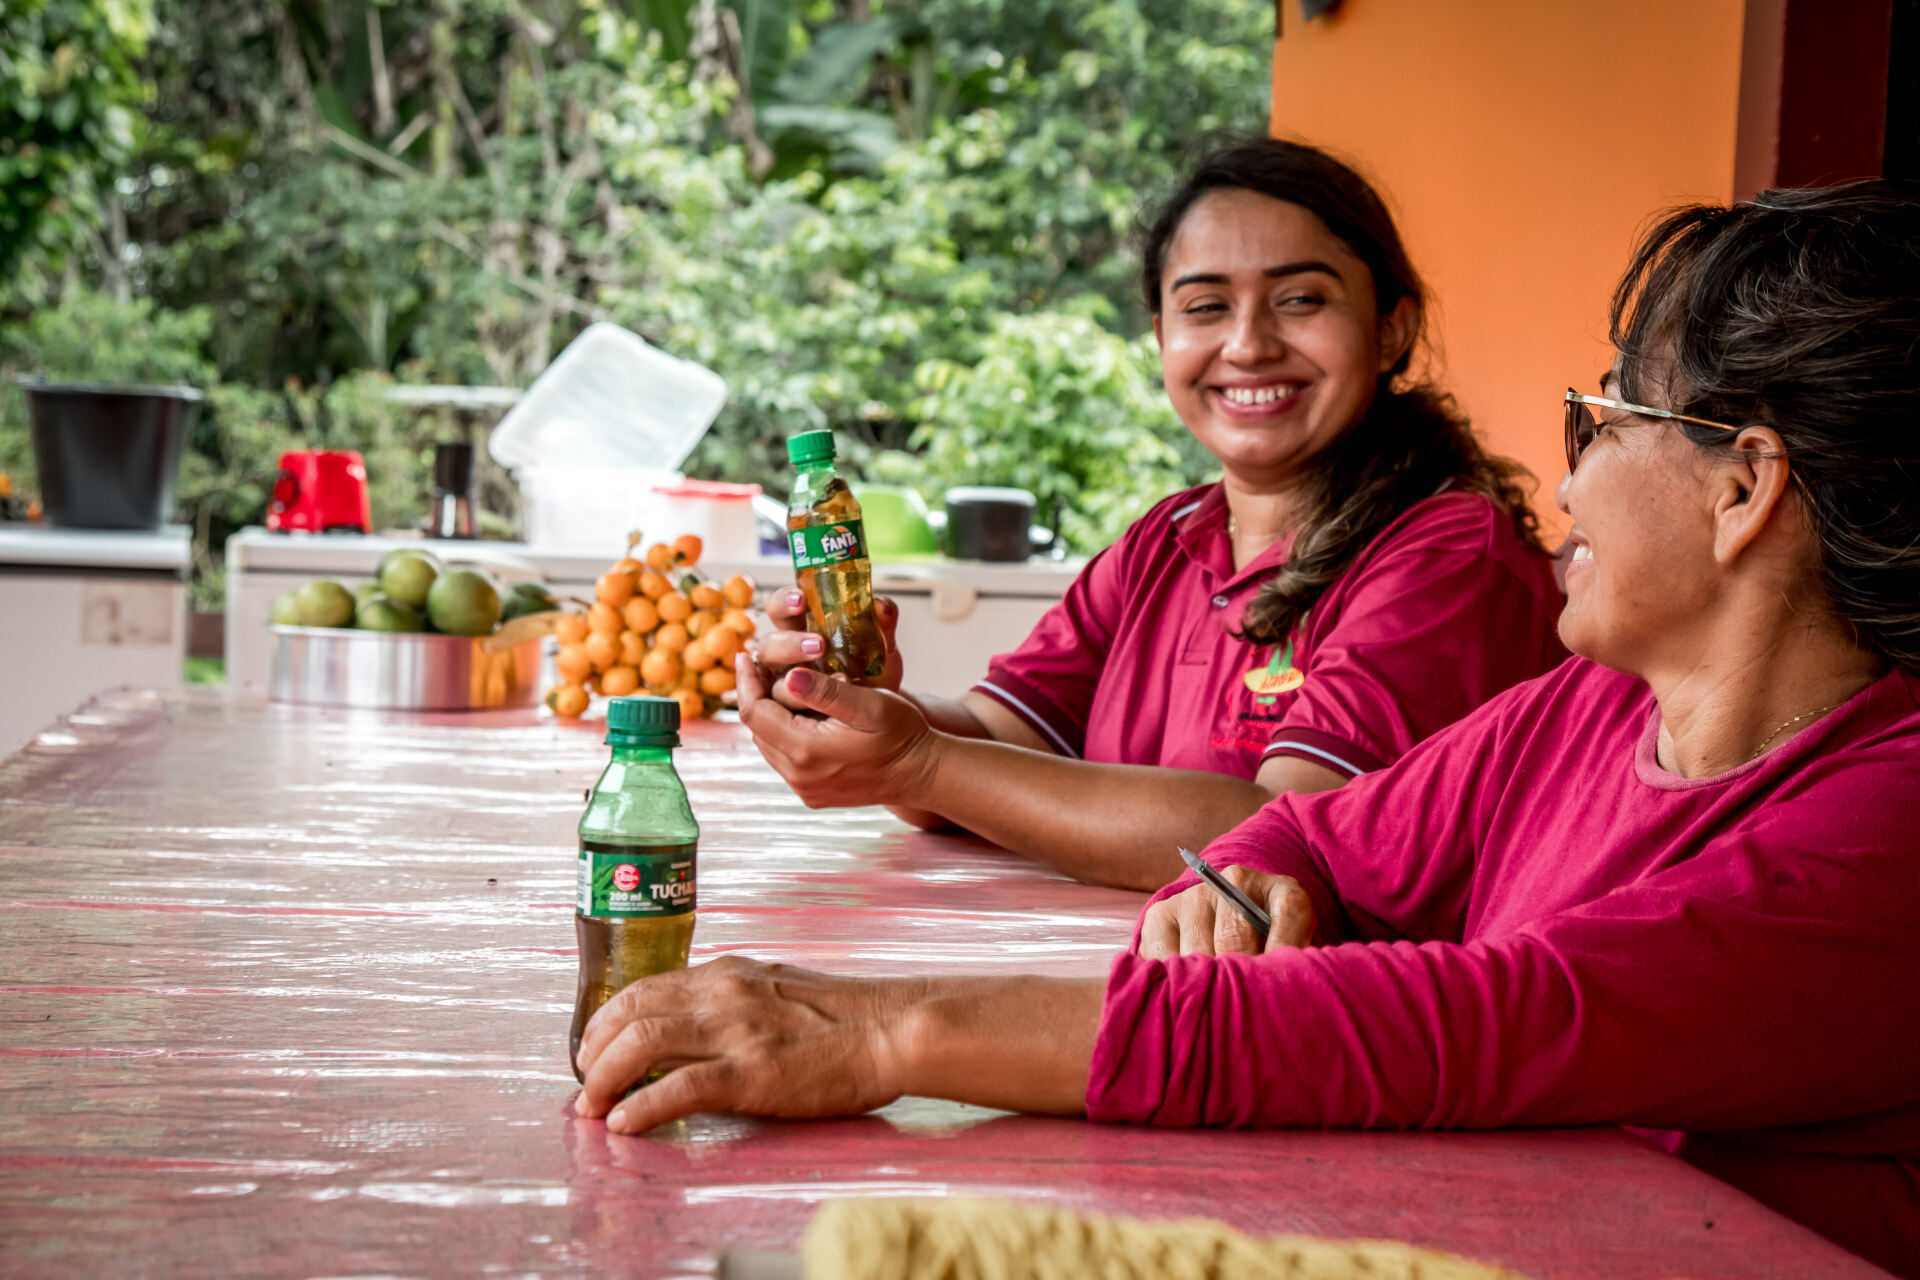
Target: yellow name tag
x,y
1285,680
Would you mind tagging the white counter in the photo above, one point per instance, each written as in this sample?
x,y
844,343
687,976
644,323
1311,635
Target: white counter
x,y
82,611
38,545
954,615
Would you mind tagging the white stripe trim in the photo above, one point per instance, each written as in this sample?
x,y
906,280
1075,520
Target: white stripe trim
x,y
1034,719
1188,509
1328,756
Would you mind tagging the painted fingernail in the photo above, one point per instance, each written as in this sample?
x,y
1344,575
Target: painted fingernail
x,y
795,600
812,646
800,681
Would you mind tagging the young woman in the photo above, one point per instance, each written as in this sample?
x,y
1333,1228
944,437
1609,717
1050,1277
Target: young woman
x,y
1363,575
1670,885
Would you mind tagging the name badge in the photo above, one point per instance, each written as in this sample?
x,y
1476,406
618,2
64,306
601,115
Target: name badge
x,y
1278,676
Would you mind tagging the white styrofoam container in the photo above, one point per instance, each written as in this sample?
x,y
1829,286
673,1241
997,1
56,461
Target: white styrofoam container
x,y
590,508
610,401
611,419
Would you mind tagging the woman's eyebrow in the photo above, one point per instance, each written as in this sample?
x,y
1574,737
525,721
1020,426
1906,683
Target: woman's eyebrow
x,y
1271,273
1301,268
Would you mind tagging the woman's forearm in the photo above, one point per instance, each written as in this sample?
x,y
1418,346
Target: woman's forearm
x,y
1109,824
1020,1044
945,716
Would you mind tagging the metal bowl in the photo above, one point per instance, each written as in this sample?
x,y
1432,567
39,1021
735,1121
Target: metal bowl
x,y
401,671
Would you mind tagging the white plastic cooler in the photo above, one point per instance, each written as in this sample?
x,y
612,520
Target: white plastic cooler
x,y
597,437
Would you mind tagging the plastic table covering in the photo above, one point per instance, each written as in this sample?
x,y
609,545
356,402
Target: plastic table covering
x,y
285,991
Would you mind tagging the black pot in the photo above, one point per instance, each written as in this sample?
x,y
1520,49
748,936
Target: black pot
x,y
992,524
108,456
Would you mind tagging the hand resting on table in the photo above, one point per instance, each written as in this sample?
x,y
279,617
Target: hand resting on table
x,y
1198,921
740,1036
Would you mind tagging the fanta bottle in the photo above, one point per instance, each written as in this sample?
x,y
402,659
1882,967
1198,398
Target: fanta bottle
x,y
830,561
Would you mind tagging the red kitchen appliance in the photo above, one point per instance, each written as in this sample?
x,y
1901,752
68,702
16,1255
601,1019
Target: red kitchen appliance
x,y
320,491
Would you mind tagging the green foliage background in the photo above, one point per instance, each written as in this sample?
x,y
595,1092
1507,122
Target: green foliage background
x,y
906,220
68,89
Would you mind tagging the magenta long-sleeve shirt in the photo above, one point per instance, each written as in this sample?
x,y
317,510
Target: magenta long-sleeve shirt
x,y
1531,923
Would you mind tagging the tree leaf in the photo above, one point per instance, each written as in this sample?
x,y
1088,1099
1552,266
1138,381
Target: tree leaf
x,y
766,42
836,69
669,18
858,140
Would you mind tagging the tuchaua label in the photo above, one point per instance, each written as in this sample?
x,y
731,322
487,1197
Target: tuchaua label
x,y
820,545
635,881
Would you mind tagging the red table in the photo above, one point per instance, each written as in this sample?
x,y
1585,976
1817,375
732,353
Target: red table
x,y
285,992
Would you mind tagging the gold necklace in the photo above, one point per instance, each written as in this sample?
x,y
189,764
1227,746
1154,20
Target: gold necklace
x,y
1788,725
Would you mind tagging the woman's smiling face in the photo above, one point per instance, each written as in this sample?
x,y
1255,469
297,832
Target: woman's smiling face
x,y
1643,566
1271,341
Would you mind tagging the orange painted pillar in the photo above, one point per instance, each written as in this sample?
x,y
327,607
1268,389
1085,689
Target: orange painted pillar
x,y
1522,144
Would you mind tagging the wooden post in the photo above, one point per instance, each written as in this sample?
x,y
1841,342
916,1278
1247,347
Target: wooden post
x,y
1813,93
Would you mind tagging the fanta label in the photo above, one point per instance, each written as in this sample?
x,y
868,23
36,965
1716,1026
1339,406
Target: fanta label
x,y
820,545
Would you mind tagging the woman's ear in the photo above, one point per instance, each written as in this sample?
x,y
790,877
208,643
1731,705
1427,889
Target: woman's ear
x,y
1397,328
1749,488
1159,338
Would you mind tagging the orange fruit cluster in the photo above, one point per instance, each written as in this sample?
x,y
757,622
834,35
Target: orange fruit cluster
x,y
656,626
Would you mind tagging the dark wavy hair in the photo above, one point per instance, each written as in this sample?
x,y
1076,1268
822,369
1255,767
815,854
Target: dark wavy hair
x,y
1800,310
1413,438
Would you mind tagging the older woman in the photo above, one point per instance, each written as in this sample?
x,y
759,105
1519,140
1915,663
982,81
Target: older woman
x,y
1363,575
1675,884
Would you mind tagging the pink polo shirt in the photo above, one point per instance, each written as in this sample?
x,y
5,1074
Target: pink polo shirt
x,y
1531,923
1446,607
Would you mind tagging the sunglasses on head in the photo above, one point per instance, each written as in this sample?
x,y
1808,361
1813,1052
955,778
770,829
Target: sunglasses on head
x,y
1583,426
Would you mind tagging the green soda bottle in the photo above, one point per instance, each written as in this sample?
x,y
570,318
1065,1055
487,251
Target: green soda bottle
x,y
634,915
830,561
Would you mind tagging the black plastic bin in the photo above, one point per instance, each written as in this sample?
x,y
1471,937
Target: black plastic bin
x,y
108,456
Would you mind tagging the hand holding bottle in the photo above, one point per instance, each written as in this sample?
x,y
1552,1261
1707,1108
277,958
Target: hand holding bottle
x,y
838,743
792,645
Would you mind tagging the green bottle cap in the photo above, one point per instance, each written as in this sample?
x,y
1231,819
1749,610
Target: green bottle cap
x,y
810,446
643,722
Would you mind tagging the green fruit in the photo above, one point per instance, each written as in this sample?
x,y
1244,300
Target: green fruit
x,y
286,611
366,591
378,613
408,577
324,603
463,602
397,552
527,597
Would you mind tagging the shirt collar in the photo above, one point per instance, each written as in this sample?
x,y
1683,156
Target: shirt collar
x,y
1201,530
